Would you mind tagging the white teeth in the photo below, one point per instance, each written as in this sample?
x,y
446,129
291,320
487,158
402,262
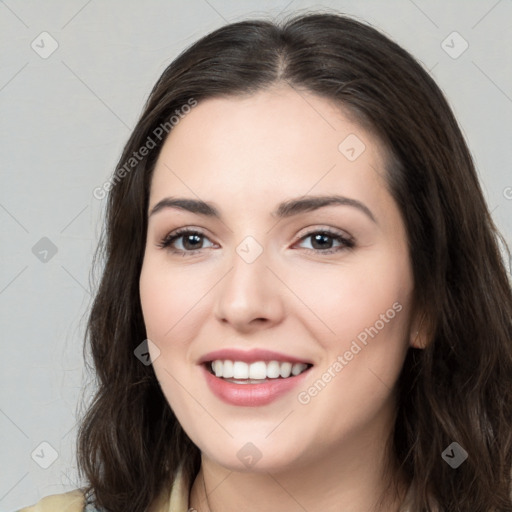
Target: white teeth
x,y
298,368
227,369
285,370
240,370
258,370
273,369
217,368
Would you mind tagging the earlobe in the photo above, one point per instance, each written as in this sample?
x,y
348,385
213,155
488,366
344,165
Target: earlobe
x,y
417,341
418,338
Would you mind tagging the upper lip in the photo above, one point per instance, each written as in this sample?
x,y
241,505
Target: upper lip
x,y
250,356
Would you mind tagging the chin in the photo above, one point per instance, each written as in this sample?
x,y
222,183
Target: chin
x,y
253,456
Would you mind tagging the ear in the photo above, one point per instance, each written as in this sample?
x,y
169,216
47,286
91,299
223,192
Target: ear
x,y
418,332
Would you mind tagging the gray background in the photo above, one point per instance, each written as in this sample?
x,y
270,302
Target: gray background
x,y
63,122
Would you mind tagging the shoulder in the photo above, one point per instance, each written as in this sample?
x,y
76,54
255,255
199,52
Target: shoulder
x,y
72,501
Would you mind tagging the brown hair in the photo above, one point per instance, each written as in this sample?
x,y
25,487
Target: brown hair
x,y
457,389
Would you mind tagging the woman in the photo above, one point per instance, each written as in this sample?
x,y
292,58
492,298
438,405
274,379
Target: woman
x,y
308,262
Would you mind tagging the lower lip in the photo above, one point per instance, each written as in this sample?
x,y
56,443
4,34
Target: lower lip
x,y
251,395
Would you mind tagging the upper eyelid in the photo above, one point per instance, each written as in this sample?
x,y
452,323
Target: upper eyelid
x,y
330,231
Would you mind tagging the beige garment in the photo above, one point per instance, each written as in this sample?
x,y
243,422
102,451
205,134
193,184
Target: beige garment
x,y
177,501
74,501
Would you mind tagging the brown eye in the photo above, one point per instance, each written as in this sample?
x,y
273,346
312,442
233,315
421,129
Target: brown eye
x,y
323,242
191,241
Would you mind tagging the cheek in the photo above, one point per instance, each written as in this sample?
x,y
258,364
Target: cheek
x,y
368,309
169,301
156,302
349,299
170,307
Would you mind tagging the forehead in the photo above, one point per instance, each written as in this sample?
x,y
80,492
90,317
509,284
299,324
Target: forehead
x,y
276,142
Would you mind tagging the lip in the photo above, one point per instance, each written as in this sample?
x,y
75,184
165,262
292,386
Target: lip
x,y
250,356
251,395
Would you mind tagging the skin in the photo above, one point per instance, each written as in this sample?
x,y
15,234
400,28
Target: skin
x,y
246,155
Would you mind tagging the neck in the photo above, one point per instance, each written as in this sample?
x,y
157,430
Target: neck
x,y
352,477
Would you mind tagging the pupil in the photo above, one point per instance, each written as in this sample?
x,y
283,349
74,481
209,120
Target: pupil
x,y
321,237
190,237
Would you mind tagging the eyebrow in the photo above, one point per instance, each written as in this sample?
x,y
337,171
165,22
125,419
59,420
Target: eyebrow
x,y
285,209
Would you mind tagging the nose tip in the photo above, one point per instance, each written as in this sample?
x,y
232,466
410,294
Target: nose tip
x,y
248,296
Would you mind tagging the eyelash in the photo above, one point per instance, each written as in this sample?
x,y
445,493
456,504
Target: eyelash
x,y
347,243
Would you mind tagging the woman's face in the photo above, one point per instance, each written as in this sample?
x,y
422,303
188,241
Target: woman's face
x,y
260,279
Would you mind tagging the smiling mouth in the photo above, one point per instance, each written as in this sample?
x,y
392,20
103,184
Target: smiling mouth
x,y
240,372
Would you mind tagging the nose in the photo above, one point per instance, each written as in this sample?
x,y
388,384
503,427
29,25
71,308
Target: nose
x,y
250,296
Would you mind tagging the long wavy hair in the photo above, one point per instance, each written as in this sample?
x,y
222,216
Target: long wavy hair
x,y
458,388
